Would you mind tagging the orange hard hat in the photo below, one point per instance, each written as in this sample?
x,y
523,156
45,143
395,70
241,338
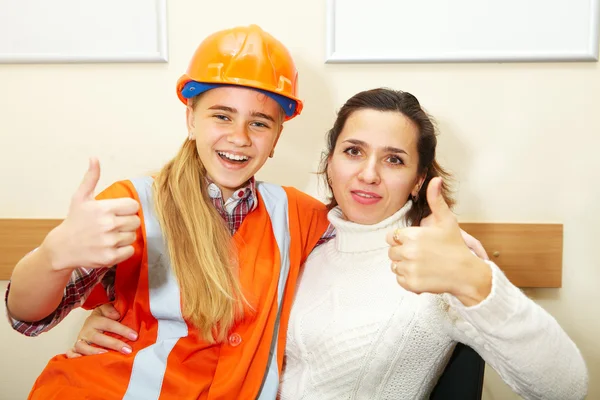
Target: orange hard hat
x,y
244,56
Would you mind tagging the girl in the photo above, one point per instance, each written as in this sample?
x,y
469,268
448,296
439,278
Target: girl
x,y
209,300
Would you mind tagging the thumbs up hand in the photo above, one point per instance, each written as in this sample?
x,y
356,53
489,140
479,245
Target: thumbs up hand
x,y
473,244
95,233
433,257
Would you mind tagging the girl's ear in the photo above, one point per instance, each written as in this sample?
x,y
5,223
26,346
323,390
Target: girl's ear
x,y
191,123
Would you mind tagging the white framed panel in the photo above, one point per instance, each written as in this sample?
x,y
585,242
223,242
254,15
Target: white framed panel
x,y
53,31
462,30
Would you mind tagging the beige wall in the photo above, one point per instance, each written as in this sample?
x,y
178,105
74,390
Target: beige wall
x,y
521,139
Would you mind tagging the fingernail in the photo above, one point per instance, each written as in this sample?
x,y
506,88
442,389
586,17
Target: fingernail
x,y
126,350
132,335
101,351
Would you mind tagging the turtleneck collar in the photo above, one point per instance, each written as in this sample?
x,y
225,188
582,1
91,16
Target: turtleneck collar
x,y
354,238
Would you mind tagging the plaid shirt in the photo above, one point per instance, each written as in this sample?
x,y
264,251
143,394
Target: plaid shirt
x,y
83,280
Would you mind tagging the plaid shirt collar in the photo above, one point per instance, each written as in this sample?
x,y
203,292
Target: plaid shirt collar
x,y
241,203
237,207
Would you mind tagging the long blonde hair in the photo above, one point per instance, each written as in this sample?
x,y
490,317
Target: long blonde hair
x,y
200,246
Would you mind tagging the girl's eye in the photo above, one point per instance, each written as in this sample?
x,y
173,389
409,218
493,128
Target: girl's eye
x,y
222,117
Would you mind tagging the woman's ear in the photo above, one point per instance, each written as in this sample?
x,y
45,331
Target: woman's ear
x,y
328,171
418,185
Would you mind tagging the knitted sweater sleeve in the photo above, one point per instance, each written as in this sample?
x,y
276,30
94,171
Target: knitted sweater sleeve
x,y
521,341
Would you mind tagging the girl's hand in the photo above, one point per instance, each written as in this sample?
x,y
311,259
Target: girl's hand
x,y
95,233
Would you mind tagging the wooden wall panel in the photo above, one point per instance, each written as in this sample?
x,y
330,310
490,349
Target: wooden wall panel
x,y
18,237
529,254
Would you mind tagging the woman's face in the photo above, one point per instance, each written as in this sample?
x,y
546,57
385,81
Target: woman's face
x,y
373,169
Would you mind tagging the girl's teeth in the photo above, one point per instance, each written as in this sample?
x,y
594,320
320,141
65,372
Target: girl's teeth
x,y
233,157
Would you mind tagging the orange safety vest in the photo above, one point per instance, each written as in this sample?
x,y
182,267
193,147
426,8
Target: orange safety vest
x,y
169,359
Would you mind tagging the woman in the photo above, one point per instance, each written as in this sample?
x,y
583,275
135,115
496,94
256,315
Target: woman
x,y
353,332
204,293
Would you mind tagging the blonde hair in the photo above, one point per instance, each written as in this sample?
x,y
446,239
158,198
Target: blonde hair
x,y
201,249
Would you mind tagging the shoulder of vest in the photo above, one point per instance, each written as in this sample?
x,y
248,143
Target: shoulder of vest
x,y
119,189
296,196
302,199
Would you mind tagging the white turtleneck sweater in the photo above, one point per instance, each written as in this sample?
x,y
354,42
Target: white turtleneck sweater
x,y
354,333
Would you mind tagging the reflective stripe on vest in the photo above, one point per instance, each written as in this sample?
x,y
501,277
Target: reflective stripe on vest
x,y
150,364
276,203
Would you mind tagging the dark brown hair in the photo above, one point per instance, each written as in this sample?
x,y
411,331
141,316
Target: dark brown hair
x,y
383,99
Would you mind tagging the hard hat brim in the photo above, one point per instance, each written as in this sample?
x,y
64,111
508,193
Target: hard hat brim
x,y
193,89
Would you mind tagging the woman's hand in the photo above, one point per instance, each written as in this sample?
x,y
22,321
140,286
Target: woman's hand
x,y
471,242
434,258
103,319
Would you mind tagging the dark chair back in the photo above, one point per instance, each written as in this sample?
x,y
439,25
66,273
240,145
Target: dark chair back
x,y
462,378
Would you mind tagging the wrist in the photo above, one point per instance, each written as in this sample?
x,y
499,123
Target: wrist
x,y
49,252
477,281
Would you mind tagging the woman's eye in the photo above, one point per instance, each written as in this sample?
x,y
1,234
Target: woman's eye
x,y
222,117
352,151
395,160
